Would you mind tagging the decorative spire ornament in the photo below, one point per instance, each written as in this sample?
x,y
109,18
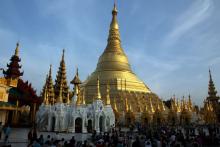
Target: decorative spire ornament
x,y
17,49
98,95
108,102
68,98
151,106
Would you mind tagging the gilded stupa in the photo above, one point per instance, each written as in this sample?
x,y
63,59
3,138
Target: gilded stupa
x,y
114,72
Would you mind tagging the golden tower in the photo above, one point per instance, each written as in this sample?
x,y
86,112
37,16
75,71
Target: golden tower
x,y
113,69
61,76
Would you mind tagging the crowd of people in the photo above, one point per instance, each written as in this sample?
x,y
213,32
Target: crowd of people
x,y
141,137
166,136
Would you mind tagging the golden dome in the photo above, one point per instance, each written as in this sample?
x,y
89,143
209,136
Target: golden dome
x,y
114,69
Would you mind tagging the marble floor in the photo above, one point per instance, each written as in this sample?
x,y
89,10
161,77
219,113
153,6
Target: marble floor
x,y
18,136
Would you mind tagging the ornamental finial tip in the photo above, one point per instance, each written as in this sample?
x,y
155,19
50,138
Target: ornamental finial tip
x,y
17,49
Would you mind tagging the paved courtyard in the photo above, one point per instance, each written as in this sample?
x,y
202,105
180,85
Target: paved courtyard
x,y
18,136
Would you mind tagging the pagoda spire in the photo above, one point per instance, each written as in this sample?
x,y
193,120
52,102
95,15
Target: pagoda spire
x,y
98,95
68,98
83,98
115,106
163,106
126,105
50,87
211,90
61,76
212,98
190,103
114,41
158,105
108,102
76,82
17,49
13,70
151,106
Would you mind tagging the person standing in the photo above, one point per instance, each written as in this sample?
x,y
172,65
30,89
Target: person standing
x,y
34,134
7,131
30,137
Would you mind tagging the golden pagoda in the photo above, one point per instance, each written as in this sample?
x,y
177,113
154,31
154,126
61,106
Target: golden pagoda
x,y
113,69
61,76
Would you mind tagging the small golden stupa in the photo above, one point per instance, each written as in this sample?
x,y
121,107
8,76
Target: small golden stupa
x,y
113,69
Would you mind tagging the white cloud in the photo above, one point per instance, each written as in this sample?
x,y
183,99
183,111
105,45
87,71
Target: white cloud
x,y
193,16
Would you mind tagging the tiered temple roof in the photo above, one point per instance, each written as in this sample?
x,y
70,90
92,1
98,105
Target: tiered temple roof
x,y
61,80
13,70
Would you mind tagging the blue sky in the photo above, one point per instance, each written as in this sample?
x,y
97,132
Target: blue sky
x,y
170,44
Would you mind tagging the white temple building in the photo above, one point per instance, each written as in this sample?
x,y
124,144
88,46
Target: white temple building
x,y
73,115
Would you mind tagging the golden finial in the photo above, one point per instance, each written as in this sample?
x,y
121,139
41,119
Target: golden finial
x,y
17,49
158,105
163,106
114,23
126,104
210,75
98,96
208,106
50,70
115,105
83,97
108,102
78,101
151,105
68,98
77,72
130,108
114,11
76,80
